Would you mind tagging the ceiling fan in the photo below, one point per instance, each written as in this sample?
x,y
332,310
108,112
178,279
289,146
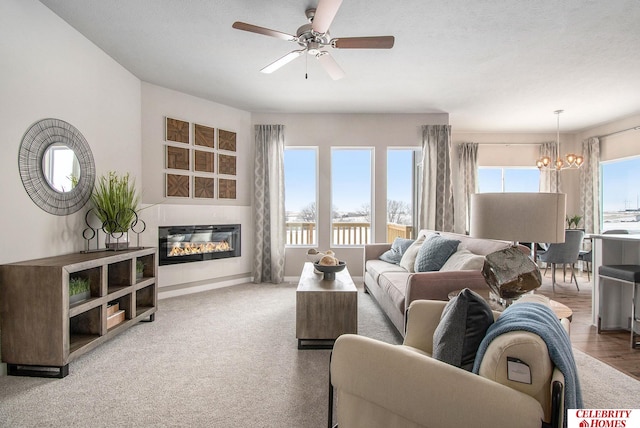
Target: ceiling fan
x,y
314,38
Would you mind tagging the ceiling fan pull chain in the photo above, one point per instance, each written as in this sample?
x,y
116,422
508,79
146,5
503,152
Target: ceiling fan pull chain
x,y
306,66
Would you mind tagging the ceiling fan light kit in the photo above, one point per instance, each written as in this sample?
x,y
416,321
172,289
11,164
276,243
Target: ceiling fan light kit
x,y
314,38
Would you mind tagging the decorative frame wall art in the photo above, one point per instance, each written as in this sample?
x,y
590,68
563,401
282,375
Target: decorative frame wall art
x,y
226,140
195,163
203,135
203,161
177,158
177,130
177,185
203,187
226,188
226,164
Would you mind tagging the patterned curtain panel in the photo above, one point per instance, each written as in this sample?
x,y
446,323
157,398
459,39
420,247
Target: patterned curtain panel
x,y
468,173
590,185
436,197
550,179
269,216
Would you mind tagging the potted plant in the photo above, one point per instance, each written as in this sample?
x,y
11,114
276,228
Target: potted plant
x,y
139,269
573,221
78,289
115,200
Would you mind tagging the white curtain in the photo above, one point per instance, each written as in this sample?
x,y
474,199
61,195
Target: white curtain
x,y
436,196
550,178
590,185
468,175
269,215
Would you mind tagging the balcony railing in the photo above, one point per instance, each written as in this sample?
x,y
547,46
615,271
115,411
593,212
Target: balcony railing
x,y
342,233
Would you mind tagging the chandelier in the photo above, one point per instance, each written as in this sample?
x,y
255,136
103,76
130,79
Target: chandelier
x,y
572,161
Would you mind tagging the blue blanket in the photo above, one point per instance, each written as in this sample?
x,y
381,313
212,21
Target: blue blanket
x,y
541,320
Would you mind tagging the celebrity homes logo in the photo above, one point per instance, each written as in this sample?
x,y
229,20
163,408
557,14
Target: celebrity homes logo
x,y
603,418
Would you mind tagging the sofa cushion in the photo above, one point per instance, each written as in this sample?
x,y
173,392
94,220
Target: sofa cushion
x,y
409,257
434,252
463,324
375,268
398,248
463,259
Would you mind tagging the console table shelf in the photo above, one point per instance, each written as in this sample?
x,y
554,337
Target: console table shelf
x,y
42,332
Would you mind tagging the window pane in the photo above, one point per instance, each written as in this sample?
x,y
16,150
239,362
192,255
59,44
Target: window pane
x,y
351,196
399,193
300,178
521,179
621,194
489,180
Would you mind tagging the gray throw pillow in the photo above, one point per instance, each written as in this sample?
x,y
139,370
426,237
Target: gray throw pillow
x,y
398,248
463,325
434,253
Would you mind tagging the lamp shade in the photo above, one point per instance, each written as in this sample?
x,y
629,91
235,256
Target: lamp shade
x,y
521,217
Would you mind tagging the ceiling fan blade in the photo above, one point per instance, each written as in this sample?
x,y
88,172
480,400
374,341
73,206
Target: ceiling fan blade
x,y
282,61
325,12
330,65
379,42
265,31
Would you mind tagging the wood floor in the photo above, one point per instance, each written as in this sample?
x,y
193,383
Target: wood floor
x,y
611,348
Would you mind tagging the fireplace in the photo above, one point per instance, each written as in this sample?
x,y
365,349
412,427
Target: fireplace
x,y
184,244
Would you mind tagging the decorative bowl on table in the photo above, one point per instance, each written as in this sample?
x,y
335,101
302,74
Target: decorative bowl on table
x,y
329,271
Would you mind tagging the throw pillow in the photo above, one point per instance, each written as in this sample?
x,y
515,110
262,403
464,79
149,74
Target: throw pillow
x,y
409,257
463,259
463,325
398,248
434,252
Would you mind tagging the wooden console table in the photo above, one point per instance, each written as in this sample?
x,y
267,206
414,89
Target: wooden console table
x,y
42,332
324,309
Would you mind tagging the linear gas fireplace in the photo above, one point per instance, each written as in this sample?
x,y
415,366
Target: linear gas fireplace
x,y
184,244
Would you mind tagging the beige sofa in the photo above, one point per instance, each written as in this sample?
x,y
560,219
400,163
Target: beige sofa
x,y
394,288
401,385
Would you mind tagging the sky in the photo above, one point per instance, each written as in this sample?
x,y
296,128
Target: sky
x,y
350,177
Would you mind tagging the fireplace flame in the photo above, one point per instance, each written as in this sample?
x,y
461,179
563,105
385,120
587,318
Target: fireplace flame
x,y
186,248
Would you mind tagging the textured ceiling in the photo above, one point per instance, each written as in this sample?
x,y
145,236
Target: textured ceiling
x,y
493,65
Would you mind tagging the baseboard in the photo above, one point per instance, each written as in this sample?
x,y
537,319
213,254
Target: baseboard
x,y
200,286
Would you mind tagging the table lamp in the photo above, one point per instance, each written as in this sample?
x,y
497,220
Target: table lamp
x,y
516,217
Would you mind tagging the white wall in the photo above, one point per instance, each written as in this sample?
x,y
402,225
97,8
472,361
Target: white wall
x,y
157,104
349,130
50,71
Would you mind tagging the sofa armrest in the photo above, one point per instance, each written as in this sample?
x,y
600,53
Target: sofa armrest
x,y
382,385
437,285
423,317
374,251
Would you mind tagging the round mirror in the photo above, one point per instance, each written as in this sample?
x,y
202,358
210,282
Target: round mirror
x,y
56,166
61,167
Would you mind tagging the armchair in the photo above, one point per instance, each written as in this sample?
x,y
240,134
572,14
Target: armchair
x,y
383,385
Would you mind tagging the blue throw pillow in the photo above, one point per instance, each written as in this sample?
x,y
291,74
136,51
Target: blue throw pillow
x,y
433,254
394,255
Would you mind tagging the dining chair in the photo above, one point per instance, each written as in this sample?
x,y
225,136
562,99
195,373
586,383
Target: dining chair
x,y
565,253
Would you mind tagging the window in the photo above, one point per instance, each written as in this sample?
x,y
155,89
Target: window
x,y
400,193
620,194
508,180
300,188
351,196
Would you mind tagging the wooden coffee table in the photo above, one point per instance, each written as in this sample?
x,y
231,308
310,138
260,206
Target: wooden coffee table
x,y
561,311
324,309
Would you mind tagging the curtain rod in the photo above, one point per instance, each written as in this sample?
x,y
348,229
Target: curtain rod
x,y
633,128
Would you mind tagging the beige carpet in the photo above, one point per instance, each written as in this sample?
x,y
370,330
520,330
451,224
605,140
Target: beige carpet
x,y
222,358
